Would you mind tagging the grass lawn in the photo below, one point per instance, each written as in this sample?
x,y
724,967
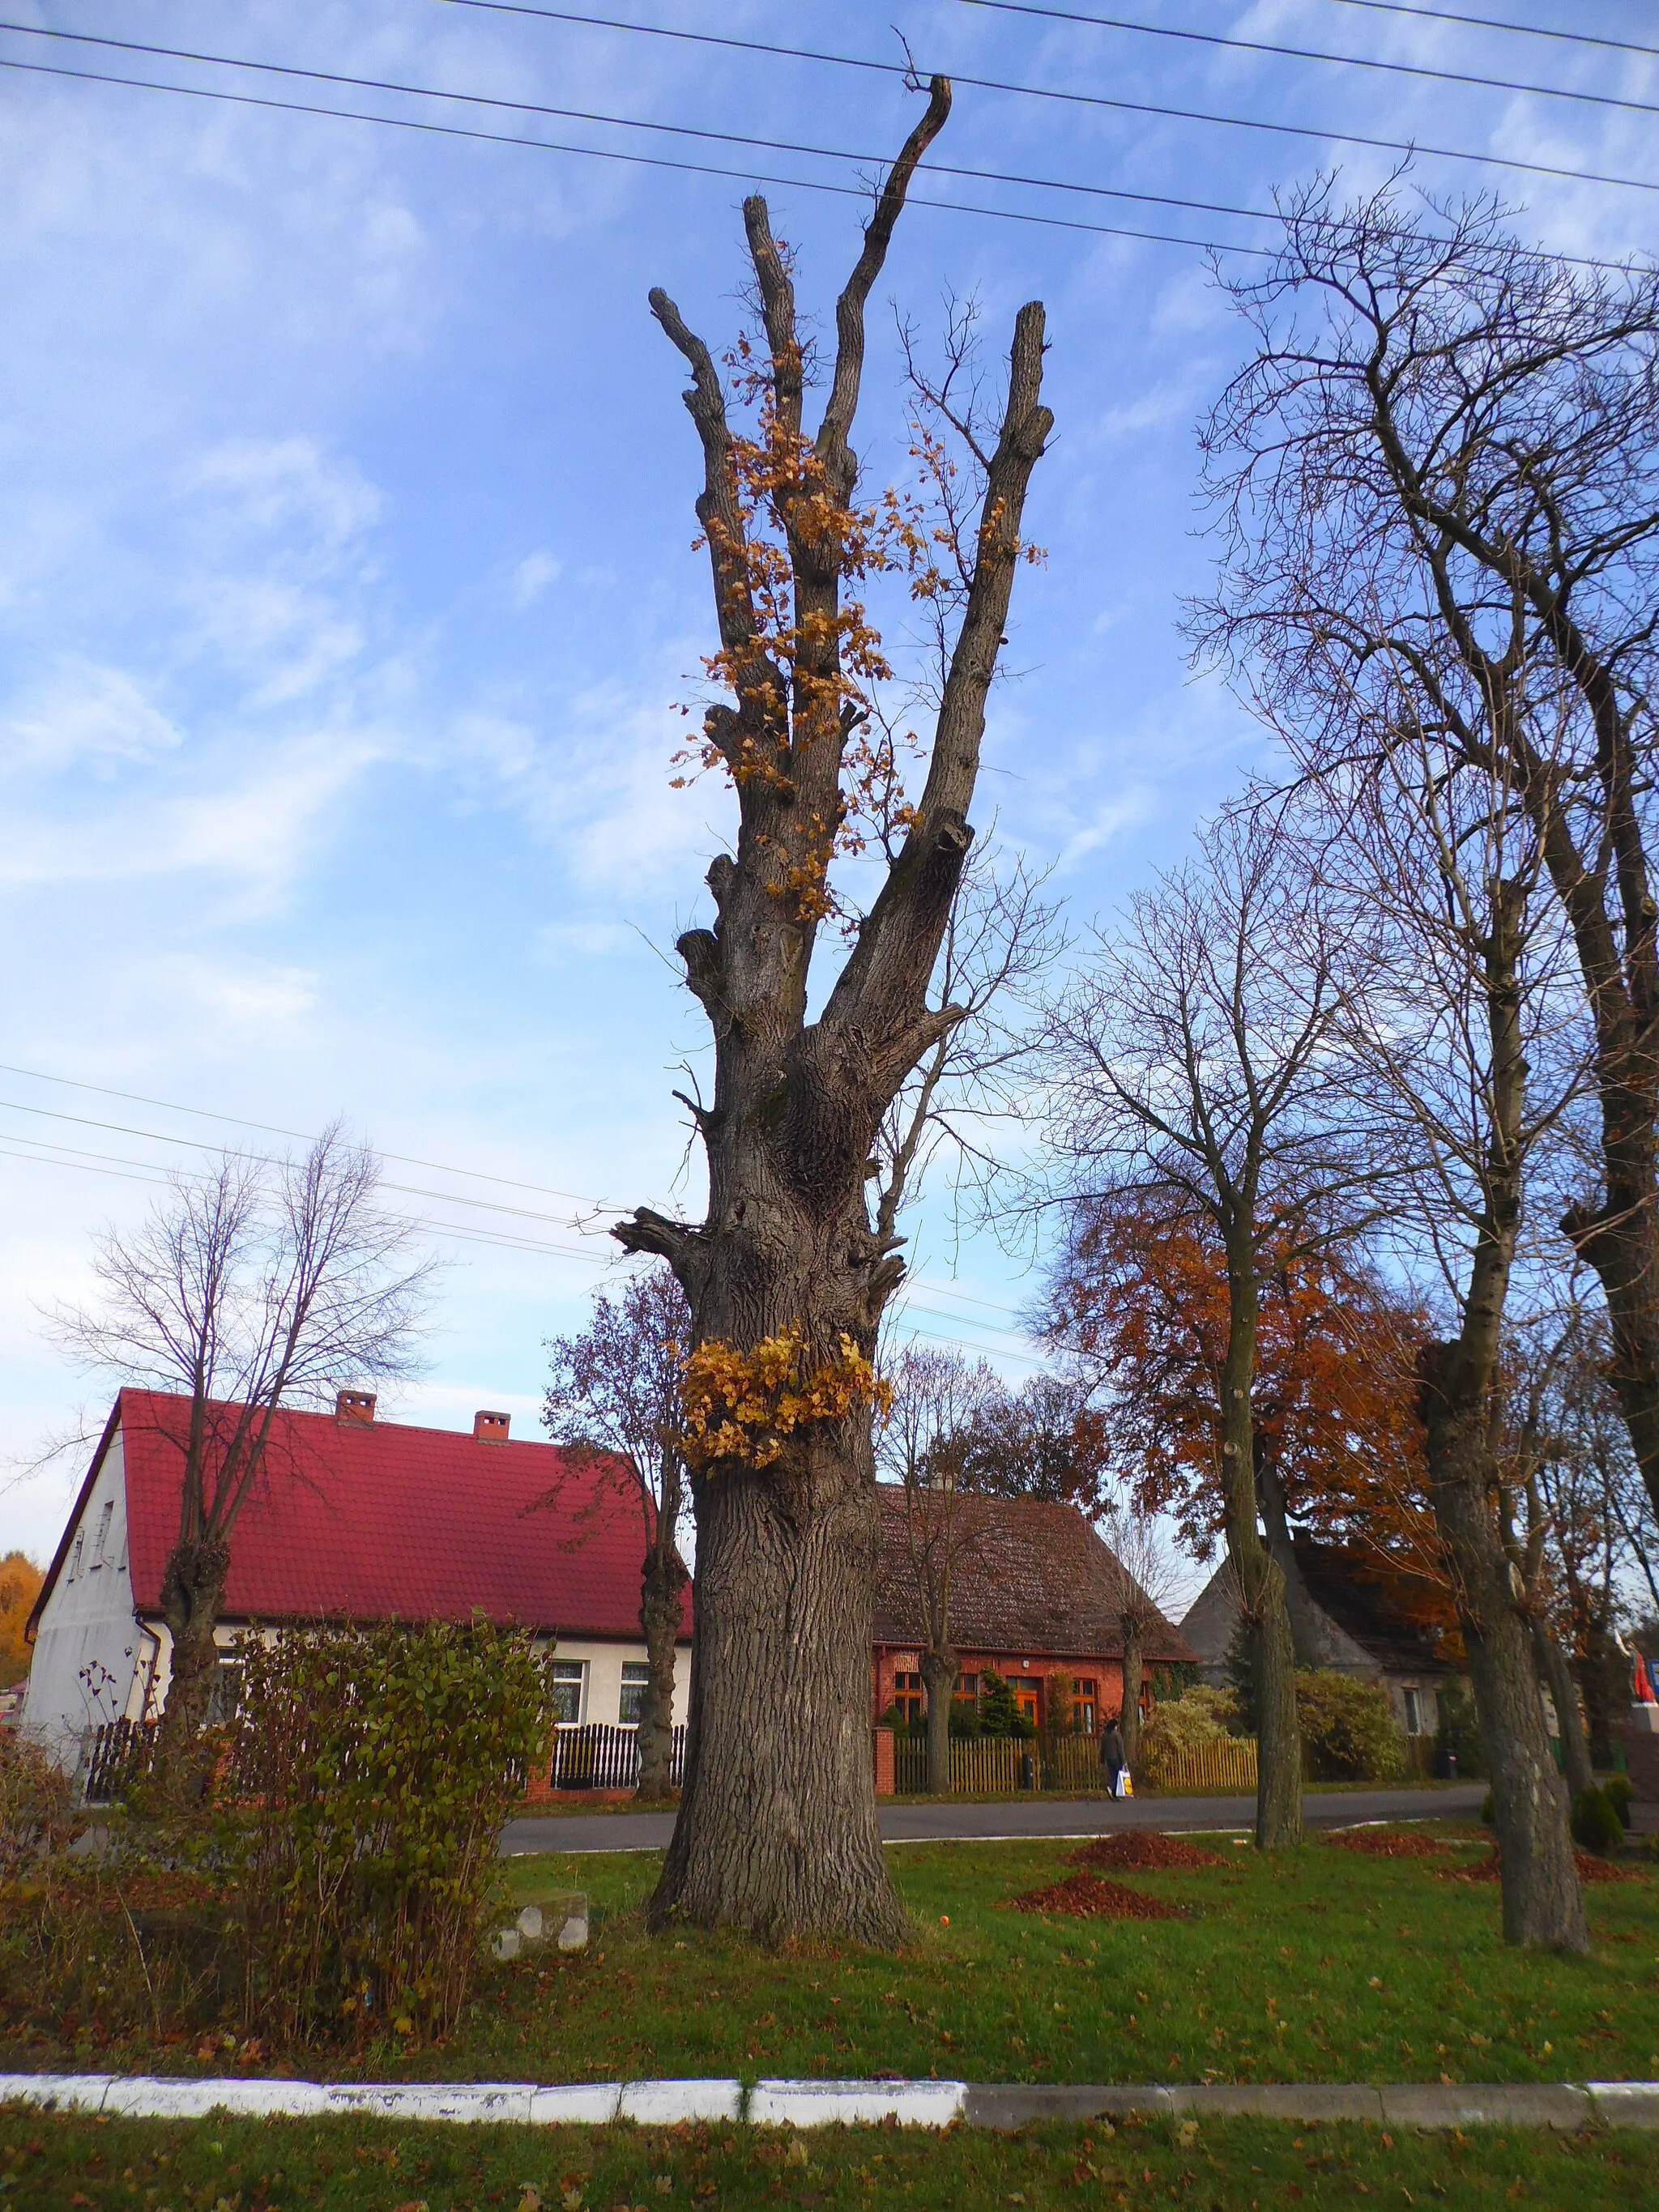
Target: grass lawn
x,y
1233,2166
1317,1966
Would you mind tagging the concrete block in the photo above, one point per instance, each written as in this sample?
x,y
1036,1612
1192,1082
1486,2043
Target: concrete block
x,y
529,1923
506,1943
577,2104
1491,2104
1626,2103
150,2097
469,2101
664,2103
1297,2101
1007,2105
60,2093
856,2104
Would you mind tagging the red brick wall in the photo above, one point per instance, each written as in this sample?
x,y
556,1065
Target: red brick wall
x,y
1107,1672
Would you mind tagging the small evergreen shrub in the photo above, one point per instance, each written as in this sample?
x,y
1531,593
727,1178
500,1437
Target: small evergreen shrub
x,y
1458,1734
1595,1823
1617,1792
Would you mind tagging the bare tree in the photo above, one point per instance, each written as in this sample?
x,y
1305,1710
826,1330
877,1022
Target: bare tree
x,y
258,1285
936,1396
788,1276
1440,471
1466,1053
616,1386
1001,939
1191,1062
1148,1576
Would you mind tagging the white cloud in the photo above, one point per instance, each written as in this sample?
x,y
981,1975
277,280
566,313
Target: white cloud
x,y
532,576
86,715
288,484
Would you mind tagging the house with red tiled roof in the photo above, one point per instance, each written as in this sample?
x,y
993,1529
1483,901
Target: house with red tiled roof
x,y
350,1519
1035,1592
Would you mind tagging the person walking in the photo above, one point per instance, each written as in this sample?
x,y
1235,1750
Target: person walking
x,y
1111,1754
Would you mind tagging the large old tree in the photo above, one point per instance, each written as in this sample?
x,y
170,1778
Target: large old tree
x,y
787,1275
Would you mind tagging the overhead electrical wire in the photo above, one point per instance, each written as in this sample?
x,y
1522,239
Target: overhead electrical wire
x,y
1310,54
635,123
660,161
904,69
638,160
1492,23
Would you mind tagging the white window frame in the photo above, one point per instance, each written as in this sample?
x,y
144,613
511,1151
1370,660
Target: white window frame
x,y
640,1671
567,1673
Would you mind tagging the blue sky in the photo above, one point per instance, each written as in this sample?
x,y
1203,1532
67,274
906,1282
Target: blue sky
x,y
347,593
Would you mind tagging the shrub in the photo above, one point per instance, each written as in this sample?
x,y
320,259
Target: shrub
x,y
965,1722
1617,1792
997,1713
37,1816
1198,1716
1595,1823
372,1769
1348,1731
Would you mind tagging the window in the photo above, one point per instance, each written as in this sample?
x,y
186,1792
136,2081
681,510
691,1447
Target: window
x,y
106,1515
75,1556
1414,1713
635,1678
226,1696
968,1686
569,1675
1026,1701
907,1697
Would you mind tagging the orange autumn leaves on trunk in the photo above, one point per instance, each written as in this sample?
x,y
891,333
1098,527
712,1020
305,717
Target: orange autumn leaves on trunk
x,y
1143,1298
741,1406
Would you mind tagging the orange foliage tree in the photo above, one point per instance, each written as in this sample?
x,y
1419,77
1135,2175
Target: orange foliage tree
x,y
1141,1298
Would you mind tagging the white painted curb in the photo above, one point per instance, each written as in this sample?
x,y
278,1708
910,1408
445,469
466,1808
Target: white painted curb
x,y
63,2093
821,2104
150,2097
577,2104
433,2100
664,2104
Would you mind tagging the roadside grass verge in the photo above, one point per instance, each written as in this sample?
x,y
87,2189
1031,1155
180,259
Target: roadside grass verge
x,y
67,2164
1317,1966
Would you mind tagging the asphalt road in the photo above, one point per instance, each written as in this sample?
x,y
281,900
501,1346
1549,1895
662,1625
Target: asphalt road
x,y
1020,1817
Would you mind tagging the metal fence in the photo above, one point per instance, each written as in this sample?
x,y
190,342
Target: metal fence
x,y
114,1755
595,1757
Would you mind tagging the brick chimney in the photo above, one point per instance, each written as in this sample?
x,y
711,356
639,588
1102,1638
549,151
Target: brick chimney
x,y
492,1428
355,1405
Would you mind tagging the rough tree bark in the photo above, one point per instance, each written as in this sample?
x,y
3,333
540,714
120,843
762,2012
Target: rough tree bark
x,y
939,1669
1262,1602
192,1597
1558,1680
777,1829
1543,1906
1128,1716
1308,1636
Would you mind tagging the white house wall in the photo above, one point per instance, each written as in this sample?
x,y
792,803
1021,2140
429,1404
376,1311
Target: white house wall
x,y
603,1681
90,1661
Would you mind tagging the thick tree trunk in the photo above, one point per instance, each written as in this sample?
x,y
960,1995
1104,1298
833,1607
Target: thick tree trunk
x,y
777,1830
192,1593
1133,1670
662,1583
1557,1677
939,1670
1543,1906
1263,1610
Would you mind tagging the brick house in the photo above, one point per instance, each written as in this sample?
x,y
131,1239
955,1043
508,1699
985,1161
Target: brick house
x,y
1035,1593
353,1519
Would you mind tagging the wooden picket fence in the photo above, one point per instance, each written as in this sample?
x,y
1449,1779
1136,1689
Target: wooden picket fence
x,y
993,1766
1228,1764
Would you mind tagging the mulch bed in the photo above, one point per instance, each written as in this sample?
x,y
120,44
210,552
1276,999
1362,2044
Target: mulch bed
x,y
1091,1897
1388,1842
1590,1870
1143,1851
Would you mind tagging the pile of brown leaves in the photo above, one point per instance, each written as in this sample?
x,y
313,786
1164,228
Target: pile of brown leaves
x,y
1145,1851
1388,1842
1590,1868
1091,1897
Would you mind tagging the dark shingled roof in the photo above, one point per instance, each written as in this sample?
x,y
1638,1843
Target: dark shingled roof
x,y
1028,1576
1339,1583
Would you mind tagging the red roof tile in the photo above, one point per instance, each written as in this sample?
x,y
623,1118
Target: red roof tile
x,y
1027,1575
377,1521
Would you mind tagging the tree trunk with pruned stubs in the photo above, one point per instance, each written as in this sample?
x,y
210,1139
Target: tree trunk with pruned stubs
x,y
777,1830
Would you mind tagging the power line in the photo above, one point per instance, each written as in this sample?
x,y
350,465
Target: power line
x,y
1046,92
1310,54
704,168
632,122
1491,23
645,160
